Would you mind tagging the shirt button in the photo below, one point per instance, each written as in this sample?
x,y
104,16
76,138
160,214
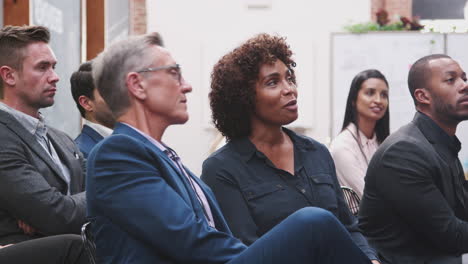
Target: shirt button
x,y
303,190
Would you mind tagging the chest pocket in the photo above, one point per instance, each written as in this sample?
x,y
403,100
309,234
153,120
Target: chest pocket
x,y
257,191
324,191
269,203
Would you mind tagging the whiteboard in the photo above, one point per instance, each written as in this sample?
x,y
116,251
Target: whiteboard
x,y
392,53
1,13
456,48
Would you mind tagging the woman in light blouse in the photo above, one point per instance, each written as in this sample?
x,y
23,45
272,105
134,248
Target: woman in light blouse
x,y
365,126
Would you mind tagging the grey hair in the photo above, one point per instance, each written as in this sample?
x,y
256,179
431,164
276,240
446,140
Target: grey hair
x,y
112,65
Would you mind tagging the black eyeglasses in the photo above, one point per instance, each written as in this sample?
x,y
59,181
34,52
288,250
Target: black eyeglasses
x,y
176,71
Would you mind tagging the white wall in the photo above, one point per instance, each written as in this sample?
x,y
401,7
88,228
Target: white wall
x,y
199,32
1,13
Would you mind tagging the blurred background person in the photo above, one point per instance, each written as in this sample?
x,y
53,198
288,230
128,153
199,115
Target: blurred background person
x,y
365,126
98,119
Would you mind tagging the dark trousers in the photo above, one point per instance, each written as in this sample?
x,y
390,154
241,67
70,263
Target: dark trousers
x,y
60,249
310,235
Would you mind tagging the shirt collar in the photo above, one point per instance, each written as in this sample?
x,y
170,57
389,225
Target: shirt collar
x,y
363,139
436,135
247,149
100,129
31,124
158,144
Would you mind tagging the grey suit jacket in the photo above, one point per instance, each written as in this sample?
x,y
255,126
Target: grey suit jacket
x,y
32,187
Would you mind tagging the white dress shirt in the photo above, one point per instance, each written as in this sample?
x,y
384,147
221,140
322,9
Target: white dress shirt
x,y
100,129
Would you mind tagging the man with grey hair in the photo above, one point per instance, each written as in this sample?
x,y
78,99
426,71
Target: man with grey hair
x,y
150,206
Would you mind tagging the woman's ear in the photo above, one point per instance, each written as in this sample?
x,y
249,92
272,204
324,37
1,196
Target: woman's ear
x,y
423,96
136,85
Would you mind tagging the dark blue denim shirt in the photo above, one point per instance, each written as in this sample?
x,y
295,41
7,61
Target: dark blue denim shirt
x,y
255,196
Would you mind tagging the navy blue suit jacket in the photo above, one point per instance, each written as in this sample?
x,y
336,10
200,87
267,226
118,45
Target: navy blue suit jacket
x,y
87,140
145,211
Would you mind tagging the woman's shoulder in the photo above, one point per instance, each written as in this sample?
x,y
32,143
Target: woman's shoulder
x,y
306,141
344,140
230,153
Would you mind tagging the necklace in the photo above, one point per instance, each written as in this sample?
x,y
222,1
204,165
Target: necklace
x,y
358,141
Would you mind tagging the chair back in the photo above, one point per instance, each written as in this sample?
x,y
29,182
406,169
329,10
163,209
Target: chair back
x,y
352,199
88,242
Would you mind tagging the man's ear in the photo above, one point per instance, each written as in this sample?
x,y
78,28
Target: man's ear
x,y
8,75
423,96
86,103
135,85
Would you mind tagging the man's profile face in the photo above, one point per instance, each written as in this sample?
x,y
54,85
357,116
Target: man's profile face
x,y
102,113
449,90
166,92
36,86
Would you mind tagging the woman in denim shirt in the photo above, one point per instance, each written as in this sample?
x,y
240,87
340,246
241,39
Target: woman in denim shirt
x,y
266,172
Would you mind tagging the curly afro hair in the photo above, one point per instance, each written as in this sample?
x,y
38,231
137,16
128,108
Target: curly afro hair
x,y
232,95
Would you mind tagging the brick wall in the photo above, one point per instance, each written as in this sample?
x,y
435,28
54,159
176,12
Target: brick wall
x,y
137,17
393,7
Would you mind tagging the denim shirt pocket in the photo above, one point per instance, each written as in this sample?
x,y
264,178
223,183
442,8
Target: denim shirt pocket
x,y
267,204
253,192
324,191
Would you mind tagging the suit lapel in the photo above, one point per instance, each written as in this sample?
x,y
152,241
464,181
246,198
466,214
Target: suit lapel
x,y
68,156
177,180
218,217
93,134
31,141
430,130
188,194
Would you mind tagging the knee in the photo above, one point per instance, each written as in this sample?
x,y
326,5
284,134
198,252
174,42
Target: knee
x,y
314,216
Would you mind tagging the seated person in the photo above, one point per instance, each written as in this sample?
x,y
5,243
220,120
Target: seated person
x,y
146,207
365,126
98,120
415,204
266,172
41,168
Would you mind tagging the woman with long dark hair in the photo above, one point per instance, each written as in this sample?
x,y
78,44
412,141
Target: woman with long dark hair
x,y
365,126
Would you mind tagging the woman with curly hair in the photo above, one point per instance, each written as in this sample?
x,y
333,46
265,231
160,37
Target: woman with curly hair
x,y
266,172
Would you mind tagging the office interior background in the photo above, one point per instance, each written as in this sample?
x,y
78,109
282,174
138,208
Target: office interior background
x,y
199,32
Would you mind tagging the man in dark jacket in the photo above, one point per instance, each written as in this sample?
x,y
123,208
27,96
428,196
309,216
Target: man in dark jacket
x,y
415,203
